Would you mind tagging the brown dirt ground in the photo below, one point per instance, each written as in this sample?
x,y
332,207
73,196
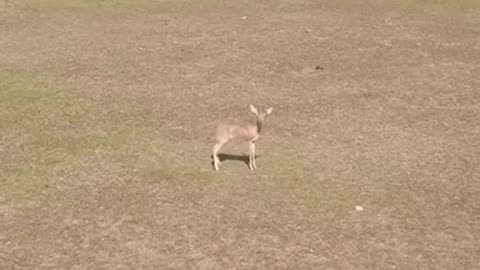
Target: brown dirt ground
x,y
106,115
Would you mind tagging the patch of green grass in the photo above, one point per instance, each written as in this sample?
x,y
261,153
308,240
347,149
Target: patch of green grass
x,y
39,130
47,133
73,5
20,97
116,6
92,5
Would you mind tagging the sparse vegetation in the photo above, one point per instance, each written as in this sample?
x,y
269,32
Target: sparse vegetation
x,y
106,120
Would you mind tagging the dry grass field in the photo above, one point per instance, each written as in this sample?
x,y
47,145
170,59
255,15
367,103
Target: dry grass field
x,y
107,114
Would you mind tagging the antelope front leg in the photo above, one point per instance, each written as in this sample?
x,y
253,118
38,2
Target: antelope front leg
x,y
254,163
216,160
251,155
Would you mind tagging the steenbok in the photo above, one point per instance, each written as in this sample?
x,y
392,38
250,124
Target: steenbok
x,y
245,133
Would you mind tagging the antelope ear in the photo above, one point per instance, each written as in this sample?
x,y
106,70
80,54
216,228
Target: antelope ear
x,y
269,110
253,109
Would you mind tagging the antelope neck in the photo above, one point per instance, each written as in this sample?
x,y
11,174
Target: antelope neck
x,y
259,125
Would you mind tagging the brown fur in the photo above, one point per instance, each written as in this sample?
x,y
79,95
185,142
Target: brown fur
x,y
246,133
